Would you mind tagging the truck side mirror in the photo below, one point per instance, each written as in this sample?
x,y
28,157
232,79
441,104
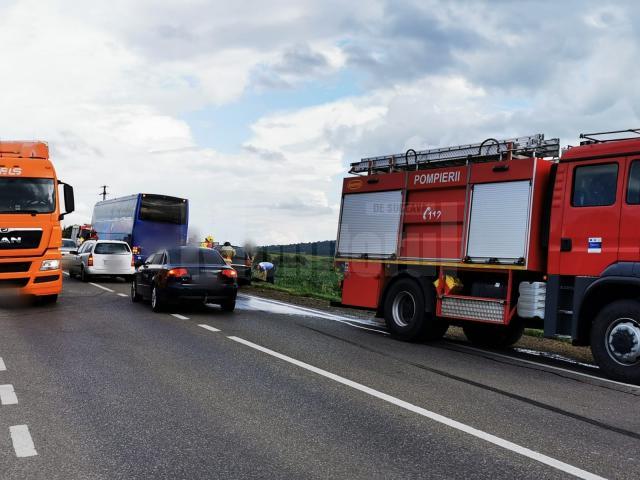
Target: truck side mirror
x,y
69,201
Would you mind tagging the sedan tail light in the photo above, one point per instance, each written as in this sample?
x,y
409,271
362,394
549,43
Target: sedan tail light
x,y
178,273
90,261
229,273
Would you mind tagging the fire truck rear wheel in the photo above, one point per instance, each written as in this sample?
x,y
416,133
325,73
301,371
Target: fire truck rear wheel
x,y
494,336
405,316
615,340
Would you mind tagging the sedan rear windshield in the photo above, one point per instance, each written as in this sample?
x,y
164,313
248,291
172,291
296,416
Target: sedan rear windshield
x,y
68,244
111,248
195,256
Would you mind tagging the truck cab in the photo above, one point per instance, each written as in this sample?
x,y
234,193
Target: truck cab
x,y
593,268
30,214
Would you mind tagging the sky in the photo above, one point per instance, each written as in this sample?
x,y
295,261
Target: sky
x,y
254,110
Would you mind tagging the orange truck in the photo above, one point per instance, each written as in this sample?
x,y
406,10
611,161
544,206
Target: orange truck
x,y
30,214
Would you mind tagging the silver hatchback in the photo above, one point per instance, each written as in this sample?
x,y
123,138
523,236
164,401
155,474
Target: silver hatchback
x,y
109,258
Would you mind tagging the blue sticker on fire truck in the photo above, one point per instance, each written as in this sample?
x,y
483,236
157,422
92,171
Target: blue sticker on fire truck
x,y
595,245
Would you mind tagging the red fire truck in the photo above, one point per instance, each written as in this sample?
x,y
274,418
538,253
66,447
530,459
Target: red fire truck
x,y
500,235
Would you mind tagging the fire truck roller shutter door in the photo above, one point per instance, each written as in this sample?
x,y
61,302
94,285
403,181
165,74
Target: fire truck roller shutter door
x,y
370,223
499,221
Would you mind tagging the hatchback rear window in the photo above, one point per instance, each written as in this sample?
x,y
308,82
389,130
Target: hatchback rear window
x,y
195,256
111,248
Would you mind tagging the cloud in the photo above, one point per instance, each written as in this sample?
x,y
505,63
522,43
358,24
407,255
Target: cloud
x,y
109,85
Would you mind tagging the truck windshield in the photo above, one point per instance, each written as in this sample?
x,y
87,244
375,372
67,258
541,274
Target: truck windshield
x,y
27,195
158,208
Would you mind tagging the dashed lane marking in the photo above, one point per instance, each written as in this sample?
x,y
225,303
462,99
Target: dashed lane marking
x,y
3,367
22,442
179,317
100,286
123,295
66,273
8,395
209,327
500,442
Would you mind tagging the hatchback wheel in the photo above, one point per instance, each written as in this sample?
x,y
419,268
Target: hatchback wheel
x,y
84,276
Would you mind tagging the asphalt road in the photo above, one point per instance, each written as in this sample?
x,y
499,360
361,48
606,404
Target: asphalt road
x,y
97,387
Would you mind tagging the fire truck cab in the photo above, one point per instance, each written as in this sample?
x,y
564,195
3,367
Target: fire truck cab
x,y
497,236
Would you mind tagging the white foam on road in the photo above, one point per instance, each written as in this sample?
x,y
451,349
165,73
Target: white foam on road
x,y
22,442
249,302
500,442
209,327
8,395
179,317
100,286
3,367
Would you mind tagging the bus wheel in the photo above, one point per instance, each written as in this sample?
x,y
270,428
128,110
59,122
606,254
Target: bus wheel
x,y
405,316
494,336
615,340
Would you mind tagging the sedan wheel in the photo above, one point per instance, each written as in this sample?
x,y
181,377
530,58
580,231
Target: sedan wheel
x,y
135,296
156,303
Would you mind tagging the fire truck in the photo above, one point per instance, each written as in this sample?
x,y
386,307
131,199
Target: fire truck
x,y
499,235
30,214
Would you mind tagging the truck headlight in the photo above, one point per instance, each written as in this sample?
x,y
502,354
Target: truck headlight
x,y
50,265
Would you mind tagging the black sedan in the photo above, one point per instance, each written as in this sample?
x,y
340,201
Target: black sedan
x,y
185,274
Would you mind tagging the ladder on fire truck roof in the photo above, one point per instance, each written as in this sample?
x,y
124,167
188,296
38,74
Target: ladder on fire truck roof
x,y
490,149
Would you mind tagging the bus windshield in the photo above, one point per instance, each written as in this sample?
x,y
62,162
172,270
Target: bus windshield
x,y
27,195
157,208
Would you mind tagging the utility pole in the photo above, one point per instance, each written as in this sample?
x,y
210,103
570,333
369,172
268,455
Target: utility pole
x,y
104,192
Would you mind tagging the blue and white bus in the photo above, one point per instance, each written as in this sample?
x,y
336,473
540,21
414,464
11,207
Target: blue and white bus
x,y
147,222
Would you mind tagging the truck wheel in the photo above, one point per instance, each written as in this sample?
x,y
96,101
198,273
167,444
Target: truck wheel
x,y
405,316
615,340
47,299
494,336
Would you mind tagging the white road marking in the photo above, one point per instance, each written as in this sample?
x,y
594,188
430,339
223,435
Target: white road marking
x,y
179,317
210,328
8,395
544,365
123,295
66,273
3,367
22,442
100,286
500,442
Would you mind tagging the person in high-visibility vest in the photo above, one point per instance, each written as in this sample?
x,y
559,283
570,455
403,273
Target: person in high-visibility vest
x,y
208,242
